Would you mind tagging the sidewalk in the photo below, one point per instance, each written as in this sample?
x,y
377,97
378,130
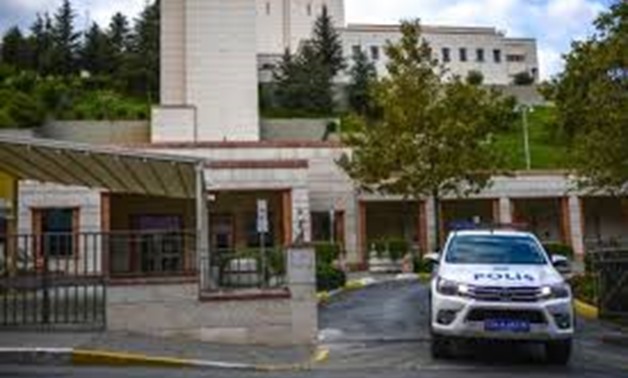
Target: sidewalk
x,y
118,348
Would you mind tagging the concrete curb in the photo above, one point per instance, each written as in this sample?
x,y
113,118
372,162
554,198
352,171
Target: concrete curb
x,y
84,357
586,310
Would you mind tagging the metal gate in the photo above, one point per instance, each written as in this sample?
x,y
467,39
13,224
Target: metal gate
x,y
52,281
610,267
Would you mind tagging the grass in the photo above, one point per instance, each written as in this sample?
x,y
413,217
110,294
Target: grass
x,y
545,150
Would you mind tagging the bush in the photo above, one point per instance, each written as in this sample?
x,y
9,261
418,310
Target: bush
x,y
523,78
584,288
559,249
475,77
6,122
25,110
421,266
395,249
329,278
327,253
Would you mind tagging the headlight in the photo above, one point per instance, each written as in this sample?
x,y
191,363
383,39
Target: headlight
x,y
451,288
558,291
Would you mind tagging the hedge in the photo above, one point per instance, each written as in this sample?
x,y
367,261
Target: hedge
x,y
559,249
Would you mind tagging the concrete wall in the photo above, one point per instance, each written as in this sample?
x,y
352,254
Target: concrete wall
x,y
34,195
221,68
175,310
97,132
172,73
295,129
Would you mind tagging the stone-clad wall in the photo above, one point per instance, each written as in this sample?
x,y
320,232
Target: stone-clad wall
x,y
175,310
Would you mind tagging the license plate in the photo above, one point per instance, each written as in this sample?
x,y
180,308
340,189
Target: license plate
x,y
506,325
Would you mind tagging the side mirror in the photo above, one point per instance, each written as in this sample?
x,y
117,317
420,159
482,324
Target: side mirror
x,y
562,264
433,258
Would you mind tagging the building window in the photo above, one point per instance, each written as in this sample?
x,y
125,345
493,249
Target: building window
x,y
159,243
479,55
374,52
463,54
497,56
446,54
356,50
268,8
57,228
535,72
309,9
515,58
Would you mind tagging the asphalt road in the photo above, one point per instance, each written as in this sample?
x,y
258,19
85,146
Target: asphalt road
x,y
382,332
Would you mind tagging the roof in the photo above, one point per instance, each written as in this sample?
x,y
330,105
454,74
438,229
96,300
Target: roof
x,y
427,29
114,169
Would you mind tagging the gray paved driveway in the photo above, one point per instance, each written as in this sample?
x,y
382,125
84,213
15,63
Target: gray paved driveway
x,y
385,327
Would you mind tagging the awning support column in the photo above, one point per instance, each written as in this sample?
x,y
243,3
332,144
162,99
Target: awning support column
x,y
202,232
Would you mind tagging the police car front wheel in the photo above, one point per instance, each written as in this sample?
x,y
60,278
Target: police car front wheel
x,y
558,352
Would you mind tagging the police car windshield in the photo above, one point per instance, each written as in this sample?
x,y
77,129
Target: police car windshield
x,y
494,249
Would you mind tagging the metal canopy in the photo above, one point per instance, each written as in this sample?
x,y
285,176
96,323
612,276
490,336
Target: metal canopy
x,y
113,169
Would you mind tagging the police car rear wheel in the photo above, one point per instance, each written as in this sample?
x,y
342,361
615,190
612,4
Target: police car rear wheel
x,y
558,352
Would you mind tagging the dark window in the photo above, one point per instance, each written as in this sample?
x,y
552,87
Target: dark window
x,y
463,54
57,229
267,8
535,72
479,55
374,52
497,56
309,9
356,49
515,58
446,54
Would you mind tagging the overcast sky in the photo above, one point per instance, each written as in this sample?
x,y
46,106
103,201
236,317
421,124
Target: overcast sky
x,y
554,23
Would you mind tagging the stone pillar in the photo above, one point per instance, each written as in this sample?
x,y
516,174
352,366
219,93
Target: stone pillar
x,y
303,303
505,210
203,253
351,231
286,208
423,232
362,242
576,224
105,226
430,225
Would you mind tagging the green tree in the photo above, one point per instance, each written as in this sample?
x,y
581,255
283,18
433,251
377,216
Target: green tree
x,y
96,53
141,68
301,83
475,77
65,40
523,78
434,136
327,44
363,76
16,49
591,97
41,40
118,35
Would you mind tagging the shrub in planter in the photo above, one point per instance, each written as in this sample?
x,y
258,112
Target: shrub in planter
x,y
397,249
421,266
327,253
584,288
329,278
559,249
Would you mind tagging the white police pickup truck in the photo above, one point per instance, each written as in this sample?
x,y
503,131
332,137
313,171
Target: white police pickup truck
x,y
500,284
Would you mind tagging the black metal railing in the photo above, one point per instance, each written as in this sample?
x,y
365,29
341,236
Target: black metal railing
x,y
246,269
610,269
52,279
150,253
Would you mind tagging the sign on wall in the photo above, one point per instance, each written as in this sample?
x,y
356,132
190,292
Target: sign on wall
x,y
262,216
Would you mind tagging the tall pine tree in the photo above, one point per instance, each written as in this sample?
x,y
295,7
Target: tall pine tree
x,y
65,39
118,36
96,52
16,49
326,42
363,76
